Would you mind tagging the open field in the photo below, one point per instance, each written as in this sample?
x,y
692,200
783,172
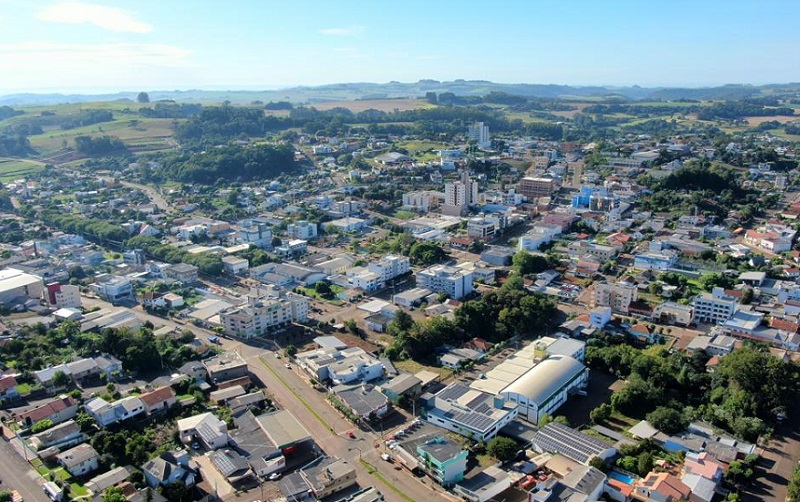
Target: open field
x,y
12,169
783,119
142,135
386,105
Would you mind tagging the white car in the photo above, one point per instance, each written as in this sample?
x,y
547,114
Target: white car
x,y
386,457
274,476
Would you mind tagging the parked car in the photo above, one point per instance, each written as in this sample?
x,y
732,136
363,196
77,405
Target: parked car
x,y
274,476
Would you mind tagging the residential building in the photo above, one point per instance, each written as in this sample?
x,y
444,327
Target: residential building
x,y
102,482
340,366
8,389
772,237
673,313
535,188
63,436
364,400
403,385
662,487
63,295
459,195
302,229
82,369
423,201
367,281
101,411
158,400
113,289
328,476
390,266
661,261
234,265
486,226
599,317
169,467
15,285
206,428
714,307
262,314
345,225
452,281
443,459
58,410
469,412
618,296
80,460
479,133
183,272
226,366
258,234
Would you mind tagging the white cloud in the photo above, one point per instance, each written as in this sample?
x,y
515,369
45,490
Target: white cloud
x,y
29,55
349,31
109,18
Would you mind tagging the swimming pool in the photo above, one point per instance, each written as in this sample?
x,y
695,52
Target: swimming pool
x,y
621,477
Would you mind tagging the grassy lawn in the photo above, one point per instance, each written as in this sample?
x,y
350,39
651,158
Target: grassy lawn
x,y
77,490
404,215
24,389
413,367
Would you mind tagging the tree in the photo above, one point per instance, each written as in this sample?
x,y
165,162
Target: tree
x,y
667,420
6,496
114,494
323,289
85,421
351,326
502,448
526,263
143,97
61,379
401,323
601,413
290,350
42,425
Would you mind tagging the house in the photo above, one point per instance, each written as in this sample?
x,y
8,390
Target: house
x,y
58,410
160,399
101,482
169,467
183,272
662,487
109,366
101,410
401,386
8,389
205,428
328,476
364,400
233,466
62,435
128,407
641,333
226,366
80,460
82,369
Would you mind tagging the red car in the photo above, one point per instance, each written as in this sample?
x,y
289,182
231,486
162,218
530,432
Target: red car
x,y
351,435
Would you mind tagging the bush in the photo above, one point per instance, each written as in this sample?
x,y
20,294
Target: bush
x,y
42,425
502,448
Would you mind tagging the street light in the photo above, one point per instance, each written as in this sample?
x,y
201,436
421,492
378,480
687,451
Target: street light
x,y
356,448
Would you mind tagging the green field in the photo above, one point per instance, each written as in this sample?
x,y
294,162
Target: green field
x,y
138,134
13,169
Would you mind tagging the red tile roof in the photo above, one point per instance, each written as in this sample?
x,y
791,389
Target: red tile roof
x,y
157,396
48,409
7,382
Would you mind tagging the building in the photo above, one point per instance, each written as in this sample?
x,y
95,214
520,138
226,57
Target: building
x,y
390,266
573,444
57,410
714,307
329,476
183,272
485,227
63,436
364,400
234,265
479,133
423,201
260,315
411,298
8,389
459,195
302,229
545,387
340,366
101,482
15,284
403,385
80,460
452,281
673,313
618,296
772,237
345,225
599,317
113,289
469,412
205,428
258,234
662,487
169,467
535,188
498,256
158,400
661,261
442,459
63,295
226,366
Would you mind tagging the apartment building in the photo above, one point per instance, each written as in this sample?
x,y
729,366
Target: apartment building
x,y
302,229
262,314
390,267
452,281
618,296
534,188
714,307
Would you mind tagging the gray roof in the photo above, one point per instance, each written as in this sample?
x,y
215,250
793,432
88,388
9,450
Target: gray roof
x,y
362,399
402,383
441,448
229,463
573,444
283,428
546,378
330,341
82,365
77,455
252,442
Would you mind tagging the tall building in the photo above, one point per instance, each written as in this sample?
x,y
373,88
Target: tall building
x,y
452,281
479,133
261,314
714,307
459,195
617,296
534,188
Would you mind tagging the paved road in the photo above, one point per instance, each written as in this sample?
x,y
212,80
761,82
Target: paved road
x,y
775,470
151,192
18,475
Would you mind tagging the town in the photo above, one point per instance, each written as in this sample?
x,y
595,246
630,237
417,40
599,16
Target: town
x,y
285,302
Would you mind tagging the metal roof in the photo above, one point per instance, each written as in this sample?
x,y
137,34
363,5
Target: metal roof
x,y
546,378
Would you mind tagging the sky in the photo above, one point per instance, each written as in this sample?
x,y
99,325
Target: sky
x,y
110,46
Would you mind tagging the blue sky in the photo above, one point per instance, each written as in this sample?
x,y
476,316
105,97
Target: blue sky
x,y
77,46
